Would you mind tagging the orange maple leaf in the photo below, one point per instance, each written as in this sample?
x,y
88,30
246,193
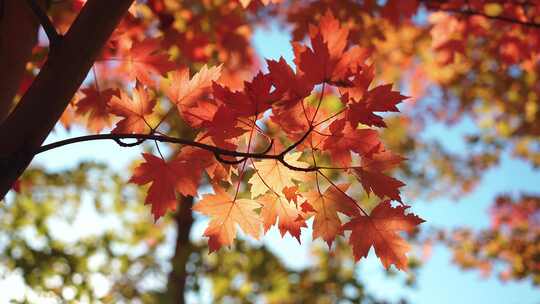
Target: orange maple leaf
x,y
273,174
291,194
325,207
379,230
225,212
183,91
145,59
134,110
290,218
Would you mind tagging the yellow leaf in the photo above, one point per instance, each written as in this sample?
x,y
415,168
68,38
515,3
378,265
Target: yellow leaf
x,y
273,174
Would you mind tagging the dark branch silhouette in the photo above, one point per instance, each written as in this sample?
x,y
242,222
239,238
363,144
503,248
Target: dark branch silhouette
x,y
48,27
217,151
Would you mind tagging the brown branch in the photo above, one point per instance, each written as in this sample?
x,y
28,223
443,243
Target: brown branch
x,y
229,162
139,137
173,140
40,108
48,27
18,35
294,145
469,12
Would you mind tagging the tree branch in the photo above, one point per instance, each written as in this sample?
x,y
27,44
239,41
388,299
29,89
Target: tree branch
x,y
469,12
39,109
294,145
48,27
18,35
174,140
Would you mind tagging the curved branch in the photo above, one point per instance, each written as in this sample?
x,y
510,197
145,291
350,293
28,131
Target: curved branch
x,y
142,137
229,162
128,145
243,159
294,145
269,146
174,140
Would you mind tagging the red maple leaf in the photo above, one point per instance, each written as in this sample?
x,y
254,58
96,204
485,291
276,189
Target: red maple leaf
x,y
145,59
345,139
181,175
379,183
95,103
397,10
373,180
378,99
223,128
255,99
379,230
201,113
326,60
292,86
325,207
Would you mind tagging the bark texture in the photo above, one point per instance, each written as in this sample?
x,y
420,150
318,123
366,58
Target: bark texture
x,y
18,35
177,277
67,65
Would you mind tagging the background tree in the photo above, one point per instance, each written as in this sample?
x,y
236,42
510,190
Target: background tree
x,y
459,59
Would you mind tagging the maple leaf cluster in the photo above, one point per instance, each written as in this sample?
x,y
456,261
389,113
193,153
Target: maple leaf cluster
x,y
278,138
509,246
286,182
514,44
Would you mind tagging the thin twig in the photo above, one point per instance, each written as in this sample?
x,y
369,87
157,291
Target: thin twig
x,y
294,145
469,12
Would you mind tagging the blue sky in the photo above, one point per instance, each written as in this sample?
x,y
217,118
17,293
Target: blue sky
x,y
439,281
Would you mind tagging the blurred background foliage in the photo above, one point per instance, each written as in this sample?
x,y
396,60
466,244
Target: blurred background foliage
x,y
83,235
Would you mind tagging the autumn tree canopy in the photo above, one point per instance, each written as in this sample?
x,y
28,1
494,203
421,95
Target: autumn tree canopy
x,y
317,142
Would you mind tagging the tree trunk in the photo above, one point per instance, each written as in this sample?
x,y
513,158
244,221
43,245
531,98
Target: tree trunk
x,y
67,65
177,277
